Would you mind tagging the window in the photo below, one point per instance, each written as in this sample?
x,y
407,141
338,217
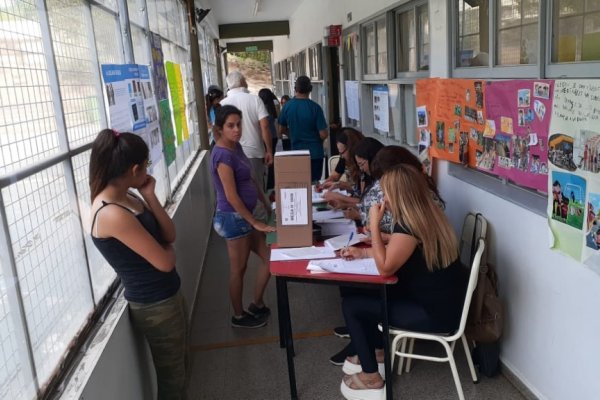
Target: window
x,y
517,24
412,40
375,49
51,108
576,28
314,62
502,38
350,56
473,33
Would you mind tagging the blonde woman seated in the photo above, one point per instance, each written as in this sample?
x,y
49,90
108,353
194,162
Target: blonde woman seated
x,y
423,254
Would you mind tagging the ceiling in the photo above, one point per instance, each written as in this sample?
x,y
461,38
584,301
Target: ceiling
x,y
242,11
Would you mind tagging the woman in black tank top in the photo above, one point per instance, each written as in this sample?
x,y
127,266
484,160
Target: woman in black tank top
x,y
135,235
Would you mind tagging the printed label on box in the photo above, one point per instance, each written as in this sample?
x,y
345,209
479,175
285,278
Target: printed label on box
x,y
294,206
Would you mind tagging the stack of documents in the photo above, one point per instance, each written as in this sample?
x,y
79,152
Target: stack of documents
x,y
302,253
341,241
336,227
362,266
317,197
327,214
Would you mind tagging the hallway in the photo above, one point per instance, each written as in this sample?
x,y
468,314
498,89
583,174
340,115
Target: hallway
x,y
247,364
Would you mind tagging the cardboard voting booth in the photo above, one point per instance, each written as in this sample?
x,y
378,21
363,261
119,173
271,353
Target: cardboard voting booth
x,y
294,201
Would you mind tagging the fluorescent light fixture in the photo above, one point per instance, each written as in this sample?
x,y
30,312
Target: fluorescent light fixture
x,y
256,5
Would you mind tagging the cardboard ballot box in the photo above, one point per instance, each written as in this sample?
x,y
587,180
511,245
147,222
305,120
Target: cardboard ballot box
x,y
294,198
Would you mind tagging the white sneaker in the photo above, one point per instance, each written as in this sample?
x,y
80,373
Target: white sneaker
x,y
351,368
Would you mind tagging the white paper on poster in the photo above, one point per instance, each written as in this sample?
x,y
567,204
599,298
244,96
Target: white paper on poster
x,y
381,110
422,117
352,106
294,206
153,136
125,105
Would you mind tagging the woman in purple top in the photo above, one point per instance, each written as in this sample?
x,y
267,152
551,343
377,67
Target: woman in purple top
x,y
237,195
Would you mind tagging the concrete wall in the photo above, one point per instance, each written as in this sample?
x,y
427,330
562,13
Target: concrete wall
x,y
117,364
551,335
552,302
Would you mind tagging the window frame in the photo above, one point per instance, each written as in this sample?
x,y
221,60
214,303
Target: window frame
x,y
493,70
577,69
414,7
315,62
385,19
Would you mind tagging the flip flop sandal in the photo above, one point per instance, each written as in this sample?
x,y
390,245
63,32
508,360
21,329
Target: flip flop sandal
x,y
350,368
363,393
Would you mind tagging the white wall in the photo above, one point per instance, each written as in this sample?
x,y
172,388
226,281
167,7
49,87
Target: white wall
x,y
552,302
551,335
312,16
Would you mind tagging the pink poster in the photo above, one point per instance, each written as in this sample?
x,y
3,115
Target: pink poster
x,y
520,111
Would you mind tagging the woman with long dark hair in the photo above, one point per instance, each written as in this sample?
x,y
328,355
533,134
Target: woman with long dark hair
x,y
136,237
237,196
345,141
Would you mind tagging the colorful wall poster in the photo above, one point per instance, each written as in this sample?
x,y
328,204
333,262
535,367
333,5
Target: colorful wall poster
x,y
166,127
518,109
158,67
573,149
160,84
177,101
381,108
457,120
151,133
124,97
352,104
425,88
132,105
566,206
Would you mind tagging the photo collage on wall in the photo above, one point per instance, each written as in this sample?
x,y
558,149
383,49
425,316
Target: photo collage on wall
x,y
498,127
450,118
539,134
574,183
516,134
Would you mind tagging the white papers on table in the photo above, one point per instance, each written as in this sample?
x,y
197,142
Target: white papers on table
x,y
327,214
341,241
302,253
362,266
335,227
317,197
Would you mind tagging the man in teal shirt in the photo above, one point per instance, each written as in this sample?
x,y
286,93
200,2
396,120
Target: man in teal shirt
x,y
303,121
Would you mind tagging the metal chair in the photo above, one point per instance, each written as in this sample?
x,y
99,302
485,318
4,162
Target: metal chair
x,y
332,163
446,340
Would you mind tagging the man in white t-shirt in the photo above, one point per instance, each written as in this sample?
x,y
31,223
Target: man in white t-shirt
x,y
256,137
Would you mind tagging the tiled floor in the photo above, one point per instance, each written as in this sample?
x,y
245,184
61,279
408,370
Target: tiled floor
x,y
247,364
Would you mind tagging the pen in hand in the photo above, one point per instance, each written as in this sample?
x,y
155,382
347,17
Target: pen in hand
x,y
349,240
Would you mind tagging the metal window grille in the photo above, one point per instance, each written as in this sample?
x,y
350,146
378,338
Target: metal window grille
x,y
51,108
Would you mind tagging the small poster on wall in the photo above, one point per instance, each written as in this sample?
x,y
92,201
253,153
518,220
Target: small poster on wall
x,y
124,97
352,105
131,104
573,147
381,108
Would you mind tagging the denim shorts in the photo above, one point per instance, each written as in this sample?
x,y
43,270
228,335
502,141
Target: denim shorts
x,y
231,225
